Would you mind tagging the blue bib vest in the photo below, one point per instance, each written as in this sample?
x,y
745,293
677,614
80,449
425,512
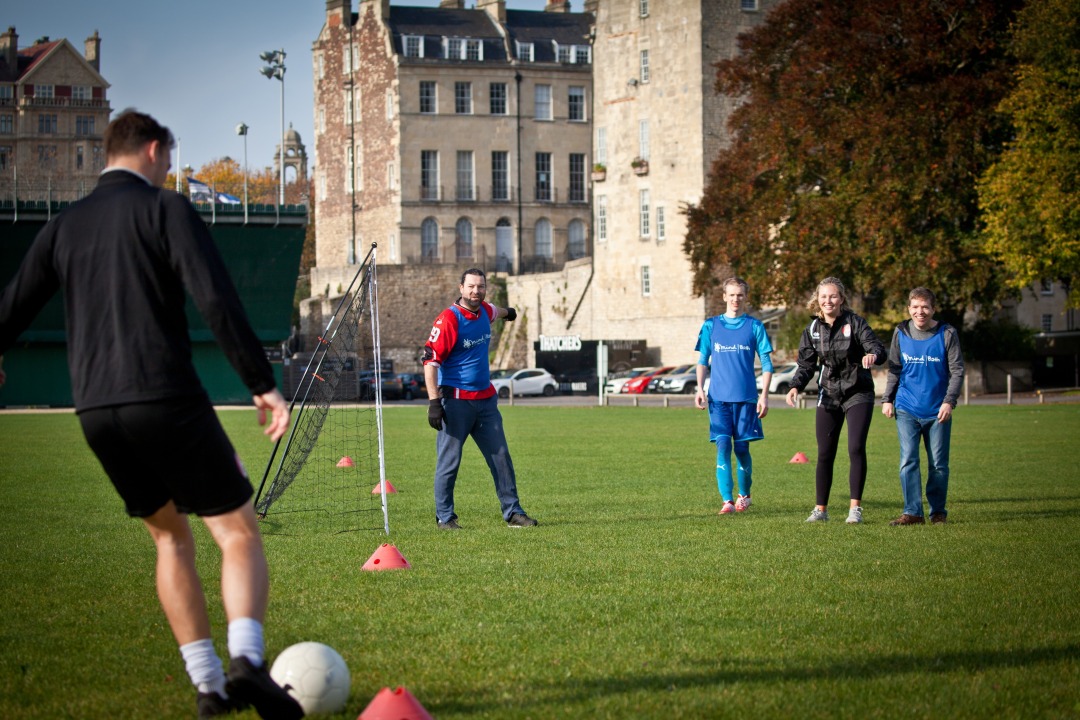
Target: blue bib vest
x,y
467,367
924,377
731,362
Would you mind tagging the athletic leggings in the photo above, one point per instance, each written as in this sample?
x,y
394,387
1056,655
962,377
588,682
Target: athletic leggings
x,y
744,470
828,425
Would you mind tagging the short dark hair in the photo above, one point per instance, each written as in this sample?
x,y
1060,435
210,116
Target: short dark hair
x,y
922,294
472,271
130,130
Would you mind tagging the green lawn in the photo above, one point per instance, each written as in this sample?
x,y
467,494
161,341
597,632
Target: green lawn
x,y
632,599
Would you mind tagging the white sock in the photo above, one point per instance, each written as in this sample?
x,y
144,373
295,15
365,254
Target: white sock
x,y
246,638
204,666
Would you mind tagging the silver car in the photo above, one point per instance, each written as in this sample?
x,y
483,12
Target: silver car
x,y
781,380
528,381
684,382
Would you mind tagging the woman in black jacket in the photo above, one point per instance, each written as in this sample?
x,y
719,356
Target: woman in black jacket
x,y
840,346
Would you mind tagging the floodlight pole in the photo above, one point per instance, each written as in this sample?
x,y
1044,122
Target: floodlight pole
x,y
242,129
276,69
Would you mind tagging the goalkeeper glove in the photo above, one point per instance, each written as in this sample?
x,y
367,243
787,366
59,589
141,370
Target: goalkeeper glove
x,y
435,414
511,314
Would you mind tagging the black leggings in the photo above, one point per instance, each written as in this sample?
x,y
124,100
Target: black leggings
x,y
828,424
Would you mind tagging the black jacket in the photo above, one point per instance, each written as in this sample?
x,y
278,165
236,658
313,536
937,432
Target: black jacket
x,y
835,353
124,256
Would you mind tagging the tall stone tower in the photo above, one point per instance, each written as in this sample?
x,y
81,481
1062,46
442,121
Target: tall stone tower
x,y
295,156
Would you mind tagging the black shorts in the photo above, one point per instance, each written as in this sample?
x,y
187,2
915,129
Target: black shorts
x,y
173,450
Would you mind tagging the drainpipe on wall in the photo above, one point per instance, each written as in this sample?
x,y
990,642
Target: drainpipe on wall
x,y
592,183
520,257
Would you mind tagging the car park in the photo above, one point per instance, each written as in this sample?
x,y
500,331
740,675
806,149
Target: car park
x,y
614,384
413,385
654,383
391,386
639,383
781,380
527,381
683,383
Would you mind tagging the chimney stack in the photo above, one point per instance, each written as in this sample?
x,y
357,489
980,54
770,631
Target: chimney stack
x,y
9,50
560,6
93,51
495,8
452,4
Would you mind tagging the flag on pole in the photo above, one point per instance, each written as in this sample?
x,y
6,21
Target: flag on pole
x,y
199,191
227,199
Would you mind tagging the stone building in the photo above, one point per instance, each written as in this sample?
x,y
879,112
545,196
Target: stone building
x,y
451,136
658,125
53,113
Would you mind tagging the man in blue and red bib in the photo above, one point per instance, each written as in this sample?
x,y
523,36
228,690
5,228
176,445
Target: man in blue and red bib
x,y
926,372
726,347
462,401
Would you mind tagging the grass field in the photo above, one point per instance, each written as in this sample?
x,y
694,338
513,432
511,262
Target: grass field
x,y
632,599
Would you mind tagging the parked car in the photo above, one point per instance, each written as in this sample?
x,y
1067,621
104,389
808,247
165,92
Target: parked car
x,y
391,386
781,380
654,384
684,382
527,381
413,385
638,384
614,384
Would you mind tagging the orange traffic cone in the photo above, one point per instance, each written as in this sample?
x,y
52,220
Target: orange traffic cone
x,y
386,557
345,461
394,705
377,490
799,458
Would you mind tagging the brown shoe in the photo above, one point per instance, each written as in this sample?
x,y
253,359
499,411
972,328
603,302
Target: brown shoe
x,y
937,518
906,519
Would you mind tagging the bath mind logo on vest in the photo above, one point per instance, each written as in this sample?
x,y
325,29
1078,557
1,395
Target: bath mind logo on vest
x,y
920,360
847,330
720,348
467,343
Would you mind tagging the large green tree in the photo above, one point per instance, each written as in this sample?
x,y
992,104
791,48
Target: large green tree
x,y
856,151
1030,196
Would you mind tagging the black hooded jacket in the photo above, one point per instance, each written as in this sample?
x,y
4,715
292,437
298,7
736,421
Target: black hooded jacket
x,y
835,354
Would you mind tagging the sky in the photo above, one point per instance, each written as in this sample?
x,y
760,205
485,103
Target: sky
x,y
194,65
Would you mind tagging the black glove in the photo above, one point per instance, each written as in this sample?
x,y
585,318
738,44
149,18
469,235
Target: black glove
x,y
511,314
435,414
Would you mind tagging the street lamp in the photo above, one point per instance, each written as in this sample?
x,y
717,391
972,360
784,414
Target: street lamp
x,y
242,129
276,69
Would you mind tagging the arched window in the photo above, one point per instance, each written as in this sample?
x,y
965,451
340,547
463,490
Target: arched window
x,y
575,242
429,238
543,238
463,240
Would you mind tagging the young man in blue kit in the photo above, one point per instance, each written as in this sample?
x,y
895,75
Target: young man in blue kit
x,y
926,371
726,347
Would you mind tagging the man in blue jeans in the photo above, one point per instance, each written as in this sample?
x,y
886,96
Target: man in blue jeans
x,y
926,370
462,402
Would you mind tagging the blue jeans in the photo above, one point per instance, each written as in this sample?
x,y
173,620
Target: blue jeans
x,y
481,420
935,436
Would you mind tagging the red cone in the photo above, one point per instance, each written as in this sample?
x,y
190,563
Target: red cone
x,y
345,461
386,557
394,705
377,490
799,458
